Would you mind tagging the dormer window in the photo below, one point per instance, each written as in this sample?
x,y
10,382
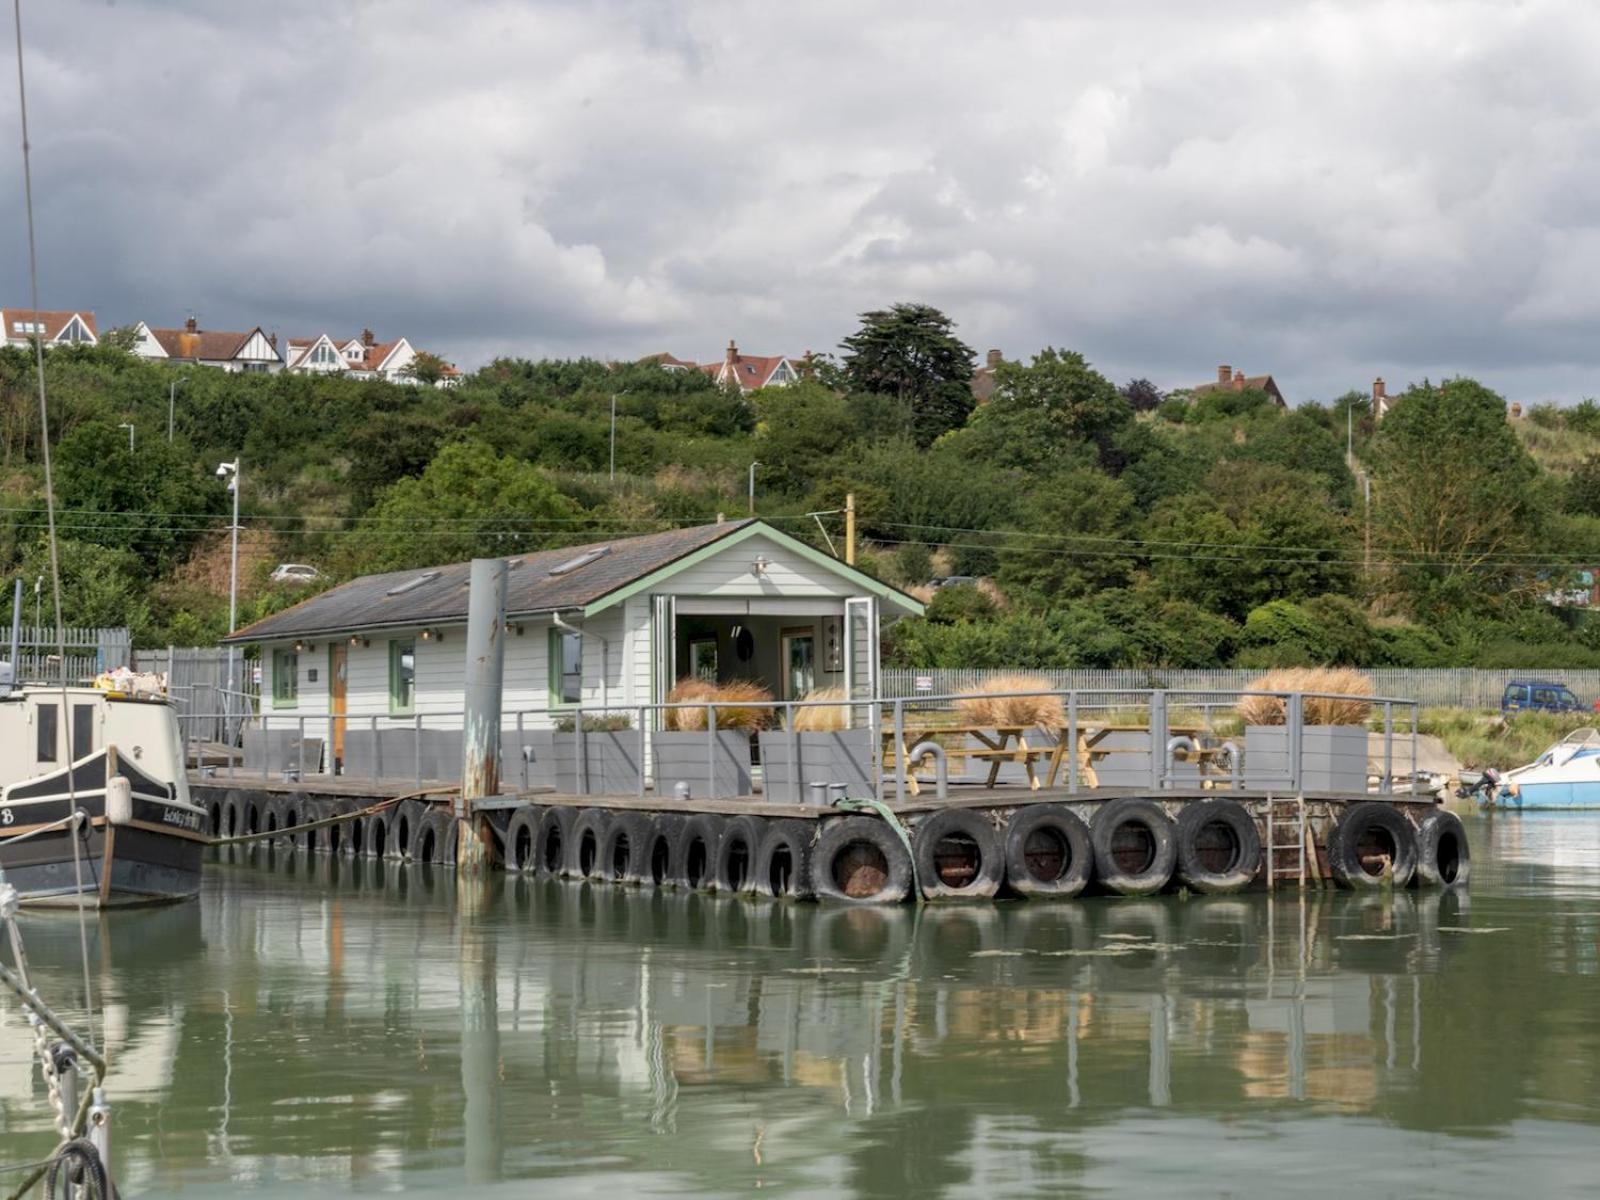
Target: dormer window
x,y
324,356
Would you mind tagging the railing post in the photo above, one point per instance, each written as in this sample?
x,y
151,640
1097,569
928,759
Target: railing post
x,y
642,751
1295,726
711,752
1414,734
582,743
1158,739
792,737
1388,749
377,752
1072,743
900,751
416,748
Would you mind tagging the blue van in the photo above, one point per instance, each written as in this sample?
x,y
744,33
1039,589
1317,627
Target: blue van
x,y
1539,695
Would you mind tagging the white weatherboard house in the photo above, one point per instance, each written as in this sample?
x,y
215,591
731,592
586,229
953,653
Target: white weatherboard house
x,y
611,626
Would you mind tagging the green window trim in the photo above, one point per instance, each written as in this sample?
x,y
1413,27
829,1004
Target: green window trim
x,y
285,679
402,675
564,682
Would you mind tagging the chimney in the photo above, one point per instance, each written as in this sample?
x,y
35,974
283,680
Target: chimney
x,y
1516,411
1377,391
995,359
1224,374
1238,381
189,325
733,354
366,338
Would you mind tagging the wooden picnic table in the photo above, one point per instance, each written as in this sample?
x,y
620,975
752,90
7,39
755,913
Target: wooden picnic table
x,y
998,745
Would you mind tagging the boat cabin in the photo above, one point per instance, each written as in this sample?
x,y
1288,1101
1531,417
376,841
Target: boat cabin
x,y
40,733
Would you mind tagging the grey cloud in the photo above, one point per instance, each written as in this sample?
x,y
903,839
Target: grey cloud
x,y
1325,191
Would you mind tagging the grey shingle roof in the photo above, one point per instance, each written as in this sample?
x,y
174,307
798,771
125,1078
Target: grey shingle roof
x,y
365,603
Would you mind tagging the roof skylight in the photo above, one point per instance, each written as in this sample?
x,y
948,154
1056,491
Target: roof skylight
x,y
583,560
411,585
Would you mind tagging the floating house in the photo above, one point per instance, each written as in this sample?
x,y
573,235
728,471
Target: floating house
x,y
610,626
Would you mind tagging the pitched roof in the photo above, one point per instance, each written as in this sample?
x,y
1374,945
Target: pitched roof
x,y
749,371
440,594
209,345
53,321
367,603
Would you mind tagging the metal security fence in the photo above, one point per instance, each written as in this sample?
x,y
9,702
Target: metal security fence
x,y
1442,686
89,651
197,681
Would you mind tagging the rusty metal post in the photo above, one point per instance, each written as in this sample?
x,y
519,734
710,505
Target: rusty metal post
x,y
486,656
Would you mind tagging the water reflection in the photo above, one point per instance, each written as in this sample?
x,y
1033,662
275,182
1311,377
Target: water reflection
x,y
319,1020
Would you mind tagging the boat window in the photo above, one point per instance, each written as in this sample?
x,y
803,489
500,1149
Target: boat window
x,y
82,731
46,725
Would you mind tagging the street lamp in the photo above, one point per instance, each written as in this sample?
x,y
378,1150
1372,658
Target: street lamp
x,y
230,472
753,467
128,425
614,396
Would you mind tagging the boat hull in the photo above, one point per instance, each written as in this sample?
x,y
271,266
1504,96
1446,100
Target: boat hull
x,y
1555,794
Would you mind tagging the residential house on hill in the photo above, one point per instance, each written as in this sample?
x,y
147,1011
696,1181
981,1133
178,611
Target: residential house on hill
x,y
1238,381
363,357
253,352
22,325
983,381
1382,402
749,372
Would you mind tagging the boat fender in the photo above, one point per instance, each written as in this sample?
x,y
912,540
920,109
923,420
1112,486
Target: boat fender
x,y
958,855
861,860
1219,846
1443,858
1048,852
119,800
1144,866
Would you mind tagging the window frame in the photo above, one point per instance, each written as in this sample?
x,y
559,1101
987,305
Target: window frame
x,y
398,648
53,711
285,666
557,673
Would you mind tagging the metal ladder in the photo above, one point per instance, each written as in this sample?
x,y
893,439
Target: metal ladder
x,y
1286,860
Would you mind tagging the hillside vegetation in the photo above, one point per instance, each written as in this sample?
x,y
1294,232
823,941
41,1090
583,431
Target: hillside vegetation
x,y
1112,526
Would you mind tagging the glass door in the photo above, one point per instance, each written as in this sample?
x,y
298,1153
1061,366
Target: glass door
x,y
799,663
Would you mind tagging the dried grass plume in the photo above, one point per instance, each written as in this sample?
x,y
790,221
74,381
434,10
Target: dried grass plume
x,y
750,705
824,718
1347,709
984,706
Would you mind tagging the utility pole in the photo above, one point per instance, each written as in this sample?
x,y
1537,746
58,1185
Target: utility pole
x,y
753,467
230,472
614,396
172,404
850,529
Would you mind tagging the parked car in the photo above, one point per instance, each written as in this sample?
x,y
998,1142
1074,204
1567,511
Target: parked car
x,y
944,581
295,573
1539,695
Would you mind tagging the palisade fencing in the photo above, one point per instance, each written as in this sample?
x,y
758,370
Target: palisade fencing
x,y
1453,687
197,682
89,651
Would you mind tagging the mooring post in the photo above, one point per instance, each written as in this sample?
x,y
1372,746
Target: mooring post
x,y
486,656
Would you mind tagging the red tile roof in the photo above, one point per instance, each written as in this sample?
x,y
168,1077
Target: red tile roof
x,y
209,345
54,322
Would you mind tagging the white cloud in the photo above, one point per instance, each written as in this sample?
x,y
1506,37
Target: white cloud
x,y
1323,190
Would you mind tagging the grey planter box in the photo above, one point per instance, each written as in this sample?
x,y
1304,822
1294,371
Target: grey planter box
x,y
683,757
1128,765
1333,758
612,760
844,756
278,750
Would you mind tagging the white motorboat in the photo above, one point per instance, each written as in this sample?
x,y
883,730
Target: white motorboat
x,y
1567,775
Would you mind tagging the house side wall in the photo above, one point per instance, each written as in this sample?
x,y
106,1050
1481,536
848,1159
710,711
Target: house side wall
x,y
731,573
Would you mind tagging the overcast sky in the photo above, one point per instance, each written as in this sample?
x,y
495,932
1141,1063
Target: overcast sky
x,y
1324,191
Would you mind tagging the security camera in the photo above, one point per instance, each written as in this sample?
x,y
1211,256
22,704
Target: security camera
x,y
222,471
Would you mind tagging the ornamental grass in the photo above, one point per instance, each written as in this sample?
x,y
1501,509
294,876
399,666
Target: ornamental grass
x,y
820,717
748,705
1348,707
985,706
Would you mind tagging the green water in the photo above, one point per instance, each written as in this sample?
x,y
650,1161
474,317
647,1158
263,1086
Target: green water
x,y
324,1026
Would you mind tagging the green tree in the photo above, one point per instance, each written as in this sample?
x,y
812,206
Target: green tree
x,y
470,502
1583,488
1456,499
911,353
1076,539
426,368
801,431
1054,405
101,586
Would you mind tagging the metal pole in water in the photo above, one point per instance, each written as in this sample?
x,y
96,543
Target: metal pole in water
x,y
486,656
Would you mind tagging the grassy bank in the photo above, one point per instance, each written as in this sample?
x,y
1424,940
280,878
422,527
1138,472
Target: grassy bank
x,y
1482,739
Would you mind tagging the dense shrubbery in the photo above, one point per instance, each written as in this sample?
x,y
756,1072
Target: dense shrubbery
x,y
1118,527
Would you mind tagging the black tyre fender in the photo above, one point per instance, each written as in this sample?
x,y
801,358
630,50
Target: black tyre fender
x,y
274,811
783,861
860,860
341,839
959,854
408,814
1154,842
435,838
376,834
1048,852
623,849
1219,846
255,813
734,871
522,834
1367,829
695,851
313,840
584,859
1443,857
292,812
232,823
552,845
660,861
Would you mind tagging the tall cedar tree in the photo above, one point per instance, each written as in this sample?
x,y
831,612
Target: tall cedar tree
x,y
909,352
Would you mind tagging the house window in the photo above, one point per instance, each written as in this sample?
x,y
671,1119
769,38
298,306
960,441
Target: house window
x,y
703,658
48,717
324,356
255,368
285,679
566,667
402,674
